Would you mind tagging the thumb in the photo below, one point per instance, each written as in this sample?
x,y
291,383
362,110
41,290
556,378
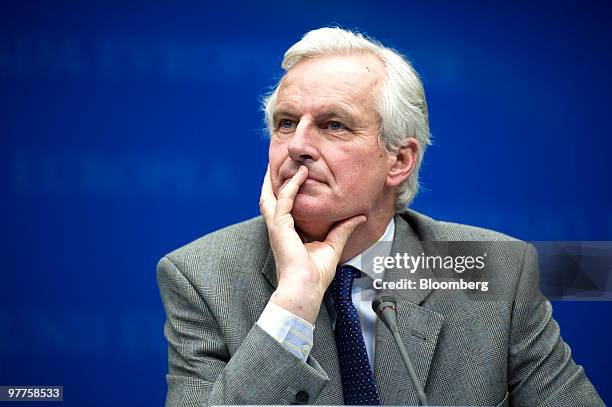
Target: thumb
x,y
340,233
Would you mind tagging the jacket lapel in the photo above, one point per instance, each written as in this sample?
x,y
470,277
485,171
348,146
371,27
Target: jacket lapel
x,y
269,269
418,326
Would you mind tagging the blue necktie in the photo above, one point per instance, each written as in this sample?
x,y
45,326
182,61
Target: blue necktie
x,y
358,383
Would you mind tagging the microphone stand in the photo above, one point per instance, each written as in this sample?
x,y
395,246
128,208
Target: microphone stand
x,y
385,308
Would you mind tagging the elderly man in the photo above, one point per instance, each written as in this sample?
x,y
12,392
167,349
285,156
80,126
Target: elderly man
x,y
277,309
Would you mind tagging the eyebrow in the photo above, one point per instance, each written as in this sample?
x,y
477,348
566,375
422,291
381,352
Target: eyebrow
x,y
338,112
326,114
283,112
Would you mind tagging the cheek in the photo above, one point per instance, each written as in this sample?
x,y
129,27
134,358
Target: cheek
x,y
276,156
359,172
277,150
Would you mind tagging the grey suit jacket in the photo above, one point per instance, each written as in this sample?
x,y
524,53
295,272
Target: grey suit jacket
x,y
504,351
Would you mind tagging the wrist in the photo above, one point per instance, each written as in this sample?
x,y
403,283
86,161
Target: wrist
x,y
300,301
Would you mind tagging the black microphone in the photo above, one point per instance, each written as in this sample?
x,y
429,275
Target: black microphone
x,y
384,307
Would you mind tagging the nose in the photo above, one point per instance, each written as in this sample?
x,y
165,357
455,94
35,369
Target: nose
x,y
303,145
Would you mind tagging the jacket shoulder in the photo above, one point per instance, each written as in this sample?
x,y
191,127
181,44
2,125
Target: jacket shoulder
x,y
430,229
246,241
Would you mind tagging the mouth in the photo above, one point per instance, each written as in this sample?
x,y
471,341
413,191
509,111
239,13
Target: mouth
x,y
312,181
308,181
311,177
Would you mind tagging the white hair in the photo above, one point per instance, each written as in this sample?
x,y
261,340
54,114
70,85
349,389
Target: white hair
x,y
400,103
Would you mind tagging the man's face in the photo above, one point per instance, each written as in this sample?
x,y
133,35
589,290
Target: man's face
x,y
325,119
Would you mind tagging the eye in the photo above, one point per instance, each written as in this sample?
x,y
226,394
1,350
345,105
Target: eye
x,y
285,124
335,126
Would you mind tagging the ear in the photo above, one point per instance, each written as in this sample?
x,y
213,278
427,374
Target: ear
x,y
402,162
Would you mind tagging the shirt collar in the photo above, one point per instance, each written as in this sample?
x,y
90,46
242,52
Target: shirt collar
x,y
382,247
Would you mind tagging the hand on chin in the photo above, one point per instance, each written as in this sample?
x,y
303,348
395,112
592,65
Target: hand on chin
x,y
313,226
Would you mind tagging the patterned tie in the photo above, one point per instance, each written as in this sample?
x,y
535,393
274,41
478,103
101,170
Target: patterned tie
x,y
358,383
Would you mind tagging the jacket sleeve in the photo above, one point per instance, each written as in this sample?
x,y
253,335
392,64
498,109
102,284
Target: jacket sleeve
x,y
541,369
202,371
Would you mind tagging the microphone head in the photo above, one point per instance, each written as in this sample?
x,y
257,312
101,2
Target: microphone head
x,y
381,302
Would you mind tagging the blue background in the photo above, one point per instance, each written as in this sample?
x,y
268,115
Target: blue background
x,y
130,130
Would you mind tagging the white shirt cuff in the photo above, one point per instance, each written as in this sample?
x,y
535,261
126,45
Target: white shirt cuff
x,y
294,333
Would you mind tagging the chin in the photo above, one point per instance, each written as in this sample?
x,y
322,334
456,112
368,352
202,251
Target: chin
x,y
311,209
315,210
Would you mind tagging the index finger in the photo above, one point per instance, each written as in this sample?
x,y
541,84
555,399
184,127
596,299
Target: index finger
x,y
287,194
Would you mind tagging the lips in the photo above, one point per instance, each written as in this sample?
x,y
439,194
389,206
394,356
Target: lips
x,y
306,181
311,177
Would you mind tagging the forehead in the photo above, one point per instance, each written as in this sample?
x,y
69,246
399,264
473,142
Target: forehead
x,y
317,83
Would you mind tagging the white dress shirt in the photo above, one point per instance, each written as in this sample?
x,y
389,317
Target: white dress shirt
x,y
296,334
